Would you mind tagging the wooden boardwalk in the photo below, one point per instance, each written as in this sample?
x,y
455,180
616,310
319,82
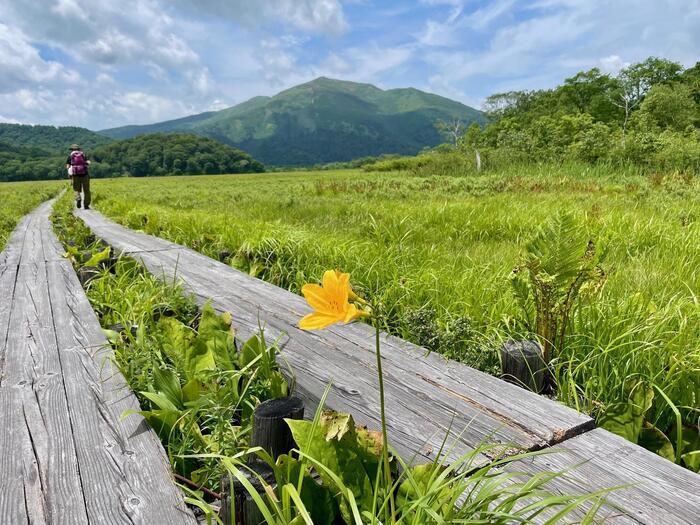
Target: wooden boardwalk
x,y
66,457
427,396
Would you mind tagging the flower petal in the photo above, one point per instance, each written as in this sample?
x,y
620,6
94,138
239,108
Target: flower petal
x,y
337,288
317,298
318,321
351,313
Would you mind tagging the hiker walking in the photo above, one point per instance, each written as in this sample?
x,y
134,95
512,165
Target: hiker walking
x,y
77,165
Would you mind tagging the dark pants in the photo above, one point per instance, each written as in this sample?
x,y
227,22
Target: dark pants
x,y
82,183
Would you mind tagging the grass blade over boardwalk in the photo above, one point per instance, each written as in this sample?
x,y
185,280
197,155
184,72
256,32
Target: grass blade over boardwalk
x,y
428,395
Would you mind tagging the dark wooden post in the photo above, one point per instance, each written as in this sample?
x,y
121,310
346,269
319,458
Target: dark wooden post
x,y
87,274
522,364
271,433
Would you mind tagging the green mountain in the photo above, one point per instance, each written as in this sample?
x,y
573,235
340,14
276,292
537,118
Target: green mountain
x,y
50,138
323,121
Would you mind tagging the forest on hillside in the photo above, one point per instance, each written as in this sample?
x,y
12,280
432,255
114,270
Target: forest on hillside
x,y
49,138
143,156
647,115
170,154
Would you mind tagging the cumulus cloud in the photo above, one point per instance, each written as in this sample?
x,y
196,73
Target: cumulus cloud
x,y
319,16
21,63
102,64
537,44
93,31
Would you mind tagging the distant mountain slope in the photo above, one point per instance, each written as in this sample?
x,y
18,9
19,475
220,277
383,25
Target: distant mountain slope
x,y
323,121
50,138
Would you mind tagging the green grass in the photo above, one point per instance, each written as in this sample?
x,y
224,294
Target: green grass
x,y
19,198
437,251
202,412
194,405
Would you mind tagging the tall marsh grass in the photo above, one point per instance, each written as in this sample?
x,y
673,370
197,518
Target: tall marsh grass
x,y
437,252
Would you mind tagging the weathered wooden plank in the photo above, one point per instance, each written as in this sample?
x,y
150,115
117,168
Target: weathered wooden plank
x,y
65,456
32,366
653,490
123,468
428,396
21,498
421,390
453,383
8,278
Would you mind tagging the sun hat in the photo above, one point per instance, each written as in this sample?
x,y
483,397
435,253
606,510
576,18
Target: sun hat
x,y
74,146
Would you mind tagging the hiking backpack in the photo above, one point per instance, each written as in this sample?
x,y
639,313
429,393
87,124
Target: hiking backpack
x,y
79,163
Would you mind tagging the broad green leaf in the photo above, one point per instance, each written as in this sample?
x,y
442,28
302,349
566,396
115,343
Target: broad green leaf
x,y
99,257
334,444
336,424
193,390
112,336
198,358
278,385
626,419
252,348
215,334
177,338
620,419
690,454
160,400
651,438
318,499
167,382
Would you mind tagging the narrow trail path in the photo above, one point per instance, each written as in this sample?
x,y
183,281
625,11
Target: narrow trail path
x,y
66,456
427,396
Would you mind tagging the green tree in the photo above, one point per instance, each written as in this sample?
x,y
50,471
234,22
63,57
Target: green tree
x,y
669,106
636,80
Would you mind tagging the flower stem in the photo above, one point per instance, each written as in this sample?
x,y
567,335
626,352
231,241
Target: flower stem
x,y
385,447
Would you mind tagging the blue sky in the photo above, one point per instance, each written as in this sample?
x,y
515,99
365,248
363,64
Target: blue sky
x,y
100,64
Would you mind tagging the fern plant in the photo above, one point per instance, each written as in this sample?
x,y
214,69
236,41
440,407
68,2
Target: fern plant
x,y
559,266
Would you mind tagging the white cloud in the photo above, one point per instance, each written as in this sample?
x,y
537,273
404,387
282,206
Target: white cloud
x,y
100,64
131,32
539,44
21,64
318,16
612,64
10,120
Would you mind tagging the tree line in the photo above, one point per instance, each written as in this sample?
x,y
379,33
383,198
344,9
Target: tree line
x,y
142,156
648,115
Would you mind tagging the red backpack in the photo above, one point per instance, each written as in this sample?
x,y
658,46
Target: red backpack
x,y
78,162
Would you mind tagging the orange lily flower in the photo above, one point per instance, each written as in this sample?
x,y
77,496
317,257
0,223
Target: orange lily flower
x,y
331,302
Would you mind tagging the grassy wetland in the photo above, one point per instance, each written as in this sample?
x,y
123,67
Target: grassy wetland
x,y
18,199
438,252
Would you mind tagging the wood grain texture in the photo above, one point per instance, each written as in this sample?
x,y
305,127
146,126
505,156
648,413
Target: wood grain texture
x,y
653,491
429,396
65,455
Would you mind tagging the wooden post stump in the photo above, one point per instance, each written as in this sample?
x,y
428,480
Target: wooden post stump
x,y
522,364
87,274
271,433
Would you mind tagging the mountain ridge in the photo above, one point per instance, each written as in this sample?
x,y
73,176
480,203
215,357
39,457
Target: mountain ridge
x,y
320,121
